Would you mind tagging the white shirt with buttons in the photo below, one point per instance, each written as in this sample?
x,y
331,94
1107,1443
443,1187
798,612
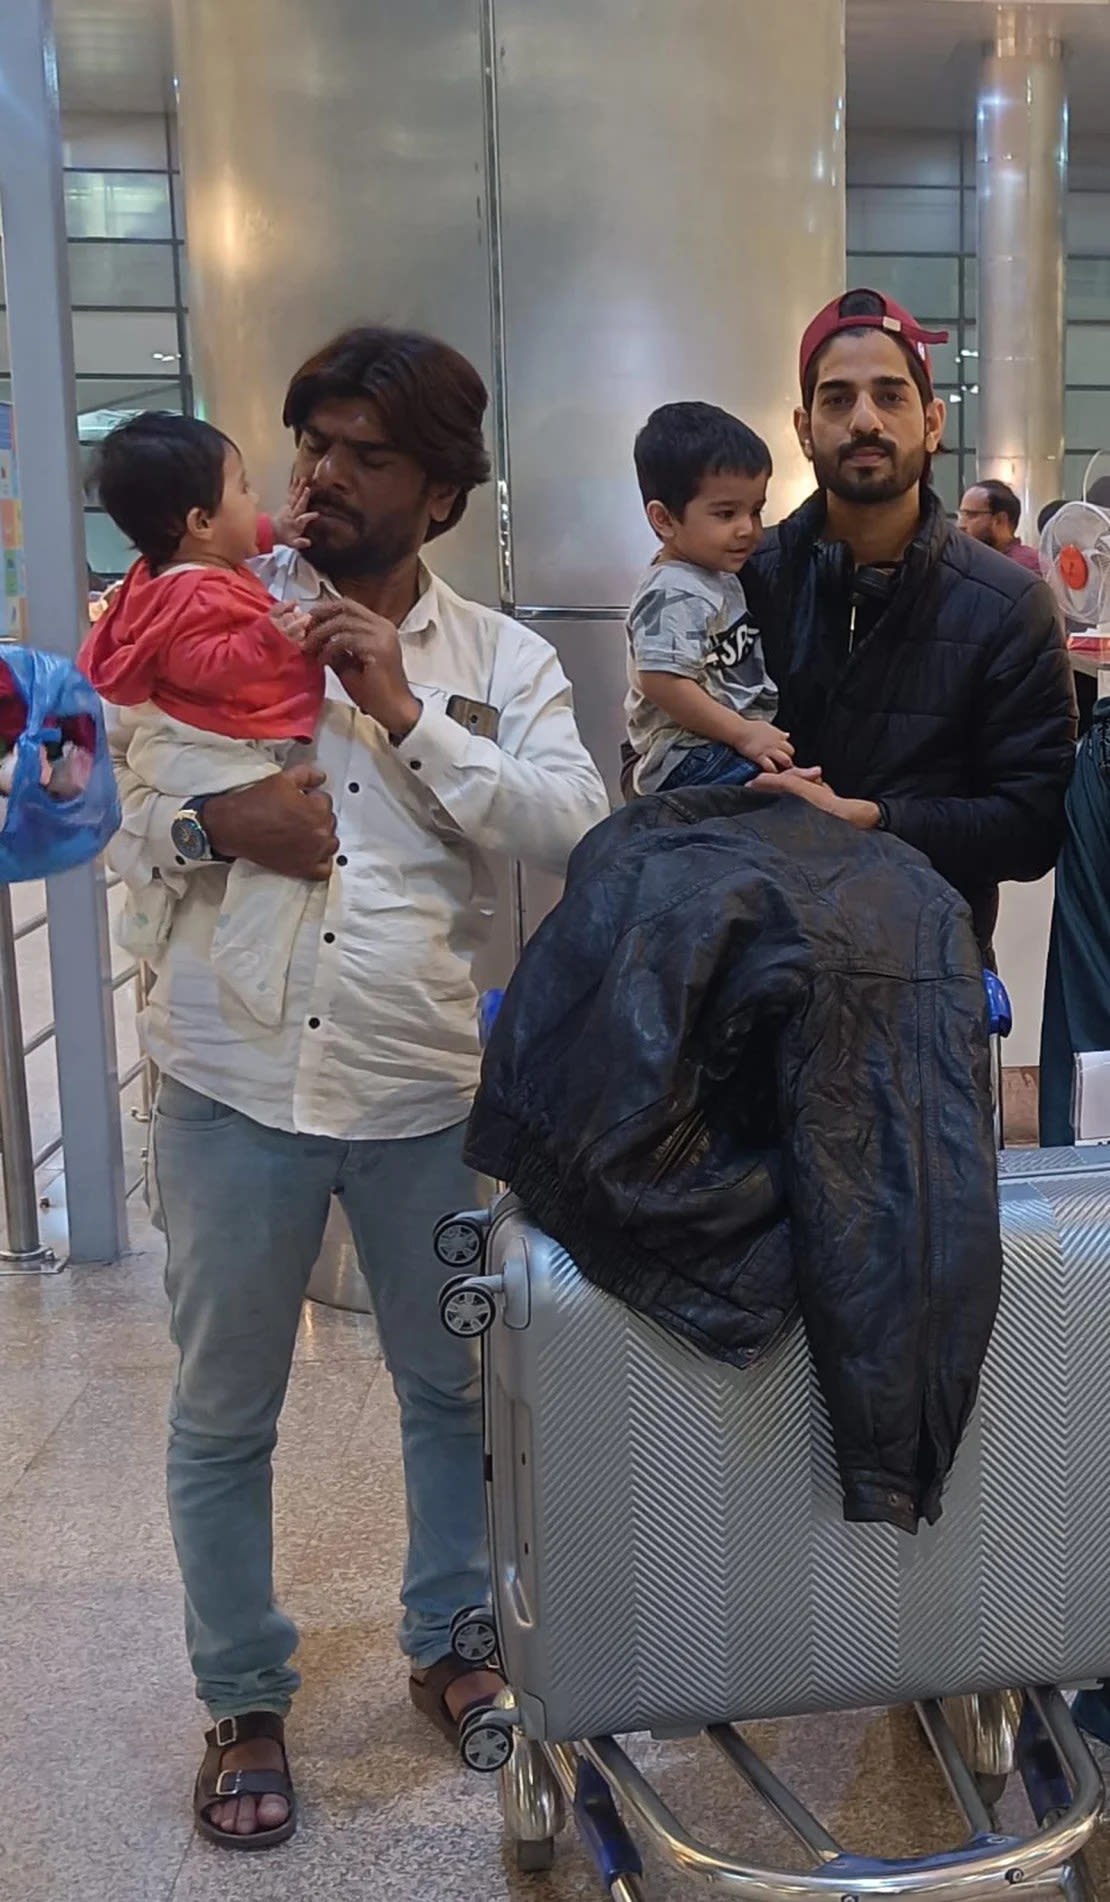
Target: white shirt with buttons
x,y
379,1038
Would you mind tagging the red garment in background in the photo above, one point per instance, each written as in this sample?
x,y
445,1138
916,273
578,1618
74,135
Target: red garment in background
x,y
199,643
1026,557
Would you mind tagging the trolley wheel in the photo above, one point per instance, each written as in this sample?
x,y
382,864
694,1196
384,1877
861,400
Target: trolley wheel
x,y
458,1242
533,1859
486,1741
473,1636
465,1310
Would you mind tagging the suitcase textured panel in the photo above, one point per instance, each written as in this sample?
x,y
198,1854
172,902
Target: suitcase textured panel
x,y
668,1543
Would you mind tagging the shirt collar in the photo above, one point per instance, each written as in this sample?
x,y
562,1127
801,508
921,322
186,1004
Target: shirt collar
x,y
424,614
422,617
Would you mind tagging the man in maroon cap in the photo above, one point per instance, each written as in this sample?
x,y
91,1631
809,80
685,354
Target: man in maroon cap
x,y
926,678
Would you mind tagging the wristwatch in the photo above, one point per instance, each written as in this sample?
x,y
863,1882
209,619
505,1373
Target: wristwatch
x,y
190,840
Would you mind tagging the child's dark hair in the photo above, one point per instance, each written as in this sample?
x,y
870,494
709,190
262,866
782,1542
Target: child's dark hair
x,y
152,471
682,443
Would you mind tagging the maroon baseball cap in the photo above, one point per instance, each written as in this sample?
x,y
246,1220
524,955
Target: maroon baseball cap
x,y
886,316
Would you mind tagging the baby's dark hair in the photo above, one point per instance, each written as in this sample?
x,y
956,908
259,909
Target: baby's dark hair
x,y
152,471
682,443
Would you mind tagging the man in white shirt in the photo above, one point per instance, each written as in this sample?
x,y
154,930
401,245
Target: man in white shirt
x,y
447,737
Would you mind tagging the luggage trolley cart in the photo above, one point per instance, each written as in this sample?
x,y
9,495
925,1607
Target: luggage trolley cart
x,y
976,1740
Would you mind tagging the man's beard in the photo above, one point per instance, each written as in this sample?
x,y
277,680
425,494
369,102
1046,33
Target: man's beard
x,y
880,482
374,550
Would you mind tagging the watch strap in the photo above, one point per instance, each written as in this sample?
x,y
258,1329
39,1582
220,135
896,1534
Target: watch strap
x,y
195,806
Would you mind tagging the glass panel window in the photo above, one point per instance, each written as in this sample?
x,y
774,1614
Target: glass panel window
x,y
125,276
921,284
1088,221
949,365
126,393
911,158
179,204
126,343
117,204
946,480
107,551
1087,424
1088,358
903,219
134,140
1088,288
1075,468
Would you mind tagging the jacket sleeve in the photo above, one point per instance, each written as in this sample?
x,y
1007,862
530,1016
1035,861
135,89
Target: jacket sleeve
x,y
532,793
223,636
1012,825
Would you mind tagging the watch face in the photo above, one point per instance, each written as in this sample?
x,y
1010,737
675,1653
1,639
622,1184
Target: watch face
x,y
189,837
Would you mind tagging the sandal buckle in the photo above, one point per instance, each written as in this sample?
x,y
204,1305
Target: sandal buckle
x,y
227,1732
227,1784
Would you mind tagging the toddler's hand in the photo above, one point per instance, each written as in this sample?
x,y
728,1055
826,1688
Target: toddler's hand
x,y
291,621
766,745
291,521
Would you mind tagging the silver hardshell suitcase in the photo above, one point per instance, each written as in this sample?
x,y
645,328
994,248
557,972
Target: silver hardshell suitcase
x,y
669,1550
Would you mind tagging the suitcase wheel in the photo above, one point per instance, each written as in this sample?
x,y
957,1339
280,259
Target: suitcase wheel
x,y
486,1741
473,1637
459,1240
466,1308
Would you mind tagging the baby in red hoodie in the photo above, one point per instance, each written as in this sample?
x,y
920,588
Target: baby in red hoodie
x,y
208,669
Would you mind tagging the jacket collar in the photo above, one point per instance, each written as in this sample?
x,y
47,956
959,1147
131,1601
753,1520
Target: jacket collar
x,y
800,531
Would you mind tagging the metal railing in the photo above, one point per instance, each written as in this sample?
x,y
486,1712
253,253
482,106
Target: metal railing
x,y
19,1160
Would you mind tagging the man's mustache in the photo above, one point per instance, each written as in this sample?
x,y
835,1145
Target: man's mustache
x,y
319,499
866,442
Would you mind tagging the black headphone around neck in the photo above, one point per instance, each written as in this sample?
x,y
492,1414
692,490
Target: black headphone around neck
x,y
837,574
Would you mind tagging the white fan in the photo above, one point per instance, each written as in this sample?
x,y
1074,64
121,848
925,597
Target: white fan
x,y
1075,557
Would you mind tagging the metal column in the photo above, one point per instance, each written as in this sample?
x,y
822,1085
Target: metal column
x,y
41,344
1021,179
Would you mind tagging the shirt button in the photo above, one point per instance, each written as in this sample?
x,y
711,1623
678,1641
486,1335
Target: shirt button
x,y
342,859
180,860
314,1023
416,764
354,786
329,937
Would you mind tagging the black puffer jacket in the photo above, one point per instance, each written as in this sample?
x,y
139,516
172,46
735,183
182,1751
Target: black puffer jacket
x,y
957,709
743,1066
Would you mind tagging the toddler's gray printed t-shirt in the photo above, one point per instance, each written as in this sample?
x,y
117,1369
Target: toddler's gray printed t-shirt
x,y
693,622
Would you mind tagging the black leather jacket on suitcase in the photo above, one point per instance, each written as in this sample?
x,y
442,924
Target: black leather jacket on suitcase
x,y
742,1068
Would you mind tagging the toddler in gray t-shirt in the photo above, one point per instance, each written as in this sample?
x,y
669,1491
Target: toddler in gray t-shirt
x,y
700,699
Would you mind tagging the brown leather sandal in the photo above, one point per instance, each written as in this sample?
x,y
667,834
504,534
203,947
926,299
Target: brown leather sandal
x,y
429,1694
217,1785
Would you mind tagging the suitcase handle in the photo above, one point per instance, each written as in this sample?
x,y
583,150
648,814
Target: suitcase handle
x,y
489,1004
1000,1011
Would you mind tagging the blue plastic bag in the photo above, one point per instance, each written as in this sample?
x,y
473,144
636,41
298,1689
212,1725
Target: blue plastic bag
x,y
41,832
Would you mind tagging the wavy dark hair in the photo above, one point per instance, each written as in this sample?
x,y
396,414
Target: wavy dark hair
x,y
431,401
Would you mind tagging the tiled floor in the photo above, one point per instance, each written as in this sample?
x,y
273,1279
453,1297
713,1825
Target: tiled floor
x,y
99,1737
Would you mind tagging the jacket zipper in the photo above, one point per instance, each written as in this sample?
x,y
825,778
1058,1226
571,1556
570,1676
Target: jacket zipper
x,y
677,1147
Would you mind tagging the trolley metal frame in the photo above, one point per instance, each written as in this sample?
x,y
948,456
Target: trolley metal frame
x,y
977,1741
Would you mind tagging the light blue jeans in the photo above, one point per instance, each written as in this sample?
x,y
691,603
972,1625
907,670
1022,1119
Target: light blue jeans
x,y
244,1210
